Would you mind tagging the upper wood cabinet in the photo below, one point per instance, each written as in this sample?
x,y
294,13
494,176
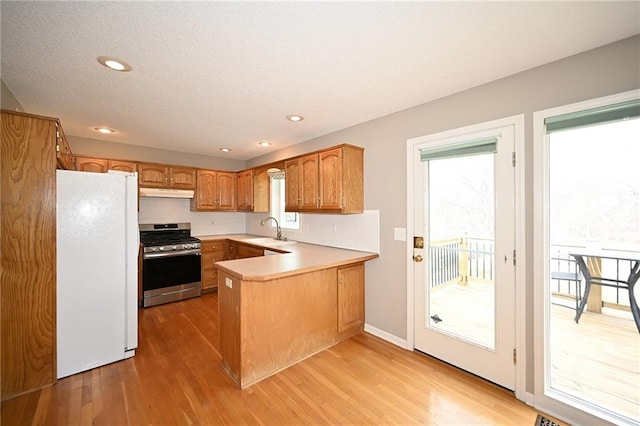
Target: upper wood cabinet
x,y
122,166
330,181
96,165
253,190
245,190
165,176
301,187
214,191
29,154
102,165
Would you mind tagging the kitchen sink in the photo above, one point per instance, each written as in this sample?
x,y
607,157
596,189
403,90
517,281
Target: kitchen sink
x,y
267,241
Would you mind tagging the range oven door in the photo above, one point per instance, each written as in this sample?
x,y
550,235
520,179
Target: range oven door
x,y
167,277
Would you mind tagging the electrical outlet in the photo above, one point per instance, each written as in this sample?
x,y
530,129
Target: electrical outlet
x,y
228,282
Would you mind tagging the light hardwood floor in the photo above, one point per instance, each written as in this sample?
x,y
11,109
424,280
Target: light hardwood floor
x,y
176,378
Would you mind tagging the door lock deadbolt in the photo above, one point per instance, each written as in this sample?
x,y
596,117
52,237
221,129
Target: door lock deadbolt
x,y
417,258
418,242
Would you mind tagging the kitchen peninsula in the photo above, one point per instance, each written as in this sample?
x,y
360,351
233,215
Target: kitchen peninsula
x,y
277,310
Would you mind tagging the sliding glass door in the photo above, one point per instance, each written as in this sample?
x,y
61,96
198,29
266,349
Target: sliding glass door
x,y
589,205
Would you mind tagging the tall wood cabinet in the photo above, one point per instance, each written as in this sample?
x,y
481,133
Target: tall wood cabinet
x,y
329,181
215,191
29,155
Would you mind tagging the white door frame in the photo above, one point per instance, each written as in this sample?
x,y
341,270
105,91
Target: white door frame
x,y
517,122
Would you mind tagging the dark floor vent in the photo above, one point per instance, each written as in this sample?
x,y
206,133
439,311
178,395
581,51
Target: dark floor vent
x,y
543,421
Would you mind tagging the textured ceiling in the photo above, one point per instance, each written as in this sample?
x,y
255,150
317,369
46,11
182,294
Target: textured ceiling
x,y
208,75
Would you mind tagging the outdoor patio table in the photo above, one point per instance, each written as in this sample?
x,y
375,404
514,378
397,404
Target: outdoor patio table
x,y
629,283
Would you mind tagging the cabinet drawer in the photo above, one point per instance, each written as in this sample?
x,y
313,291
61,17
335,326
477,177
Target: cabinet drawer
x,y
214,248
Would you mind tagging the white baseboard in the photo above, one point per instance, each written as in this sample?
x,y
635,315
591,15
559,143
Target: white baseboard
x,y
528,398
387,336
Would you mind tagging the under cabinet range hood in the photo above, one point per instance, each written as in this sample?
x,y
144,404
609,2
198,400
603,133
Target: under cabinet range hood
x,y
166,193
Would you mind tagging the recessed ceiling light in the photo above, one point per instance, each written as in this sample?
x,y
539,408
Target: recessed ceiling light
x,y
295,117
114,64
225,149
264,143
104,130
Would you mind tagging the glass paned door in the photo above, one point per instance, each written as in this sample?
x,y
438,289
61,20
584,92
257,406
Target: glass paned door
x,y
464,275
593,341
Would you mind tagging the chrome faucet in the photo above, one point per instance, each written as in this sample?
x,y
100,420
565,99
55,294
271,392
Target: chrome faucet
x,y
278,230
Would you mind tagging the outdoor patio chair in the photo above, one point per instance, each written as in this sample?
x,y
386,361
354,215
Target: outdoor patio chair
x,y
572,274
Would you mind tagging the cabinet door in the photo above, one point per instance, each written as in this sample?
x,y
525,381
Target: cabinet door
x,y
123,166
351,298
226,191
212,251
309,182
205,194
232,250
245,190
182,178
292,186
96,165
330,179
153,175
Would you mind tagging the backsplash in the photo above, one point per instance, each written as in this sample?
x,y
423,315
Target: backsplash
x,y
354,231
349,231
171,210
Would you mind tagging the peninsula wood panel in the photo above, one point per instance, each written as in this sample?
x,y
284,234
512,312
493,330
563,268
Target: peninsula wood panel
x,y
28,243
285,320
229,328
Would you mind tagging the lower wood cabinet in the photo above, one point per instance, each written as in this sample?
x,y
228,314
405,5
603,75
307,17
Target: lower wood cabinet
x,y
212,251
236,250
351,299
245,250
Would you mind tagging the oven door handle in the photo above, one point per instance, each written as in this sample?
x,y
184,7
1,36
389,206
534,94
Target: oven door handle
x,y
157,255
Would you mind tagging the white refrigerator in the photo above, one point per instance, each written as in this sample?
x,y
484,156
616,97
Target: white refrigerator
x,y
97,269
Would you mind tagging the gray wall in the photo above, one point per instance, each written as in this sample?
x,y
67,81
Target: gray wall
x,y
7,100
604,71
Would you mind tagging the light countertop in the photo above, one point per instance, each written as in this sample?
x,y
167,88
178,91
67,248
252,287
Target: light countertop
x,y
298,258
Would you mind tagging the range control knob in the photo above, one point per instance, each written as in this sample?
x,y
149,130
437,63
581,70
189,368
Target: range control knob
x,y
174,248
161,249
186,246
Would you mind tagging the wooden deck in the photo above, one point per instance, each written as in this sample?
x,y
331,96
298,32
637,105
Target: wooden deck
x,y
597,360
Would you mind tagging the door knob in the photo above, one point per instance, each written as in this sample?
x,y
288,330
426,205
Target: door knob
x,y
417,258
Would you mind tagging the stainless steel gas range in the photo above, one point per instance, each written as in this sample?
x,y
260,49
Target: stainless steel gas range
x,y
170,263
